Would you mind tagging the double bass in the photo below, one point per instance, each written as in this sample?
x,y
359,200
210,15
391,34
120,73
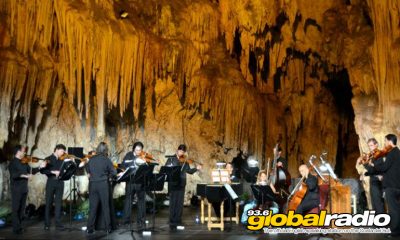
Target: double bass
x,y
281,179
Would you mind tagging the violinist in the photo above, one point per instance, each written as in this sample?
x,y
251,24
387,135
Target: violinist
x,y
132,159
375,180
311,198
390,168
99,168
176,190
54,186
20,173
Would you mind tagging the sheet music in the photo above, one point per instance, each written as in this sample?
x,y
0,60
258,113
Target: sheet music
x,y
231,192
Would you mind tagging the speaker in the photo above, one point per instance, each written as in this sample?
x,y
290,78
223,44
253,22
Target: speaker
x,y
76,151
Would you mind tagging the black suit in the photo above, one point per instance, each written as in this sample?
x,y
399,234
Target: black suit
x,y
283,161
54,190
19,190
376,187
132,188
176,191
390,169
311,199
99,168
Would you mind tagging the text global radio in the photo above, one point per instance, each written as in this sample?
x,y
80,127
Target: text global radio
x,y
259,219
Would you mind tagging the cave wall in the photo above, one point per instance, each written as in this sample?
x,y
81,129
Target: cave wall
x,y
216,75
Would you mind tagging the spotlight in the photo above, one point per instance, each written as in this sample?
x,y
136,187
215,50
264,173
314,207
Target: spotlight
x,y
123,14
220,165
252,163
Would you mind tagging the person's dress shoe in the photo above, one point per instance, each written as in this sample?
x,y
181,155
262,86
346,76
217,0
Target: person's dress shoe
x,y
393,236
90,231
18,232
172,228
108,231
60,228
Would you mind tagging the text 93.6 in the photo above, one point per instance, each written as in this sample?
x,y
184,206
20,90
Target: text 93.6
x,y
257,212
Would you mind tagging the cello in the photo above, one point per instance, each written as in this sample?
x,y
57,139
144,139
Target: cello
x,y
297,195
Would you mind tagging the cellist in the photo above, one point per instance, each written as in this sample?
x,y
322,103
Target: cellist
x,y
311,198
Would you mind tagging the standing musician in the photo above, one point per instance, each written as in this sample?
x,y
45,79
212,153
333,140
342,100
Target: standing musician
x,y
20,173
311,199
281,161
376,189
132,159
99,169
390,168
176,190
54,186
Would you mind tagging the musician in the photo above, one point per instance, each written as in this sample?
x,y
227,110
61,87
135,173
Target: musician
x,y
231,170
376,189
176,190
54,186
390,168
238,162
99,169
281,161
262,180
311,199
227,207
132,159
20,173
365,180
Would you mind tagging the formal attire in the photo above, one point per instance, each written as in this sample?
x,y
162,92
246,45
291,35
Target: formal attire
x,y
311,199
176,190
283,161
54,190
365,183
376,188
390,168
19,190
132,188
99,169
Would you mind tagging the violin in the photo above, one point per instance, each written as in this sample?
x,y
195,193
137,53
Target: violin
x,y
369,157
375,154
148,158
183,159
29,159
85,158
67,156
383,152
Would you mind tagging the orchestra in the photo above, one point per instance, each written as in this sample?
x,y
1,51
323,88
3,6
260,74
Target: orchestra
x,y
382,166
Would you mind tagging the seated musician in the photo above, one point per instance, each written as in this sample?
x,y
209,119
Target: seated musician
x,y
262,180
227,208
311,199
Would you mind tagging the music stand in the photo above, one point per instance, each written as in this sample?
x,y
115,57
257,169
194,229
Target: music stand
x,y
67,170
155,183
232,196
172,173
262,193
135,175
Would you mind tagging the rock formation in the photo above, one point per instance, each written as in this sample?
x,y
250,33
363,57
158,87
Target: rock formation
x,y
216,75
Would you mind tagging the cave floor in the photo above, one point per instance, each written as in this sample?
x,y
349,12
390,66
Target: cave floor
x,y
34,230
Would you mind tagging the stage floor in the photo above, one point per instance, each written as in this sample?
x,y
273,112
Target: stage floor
x,y
192,231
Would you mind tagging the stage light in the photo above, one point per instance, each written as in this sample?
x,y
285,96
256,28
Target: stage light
x,y
252,162
123,14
